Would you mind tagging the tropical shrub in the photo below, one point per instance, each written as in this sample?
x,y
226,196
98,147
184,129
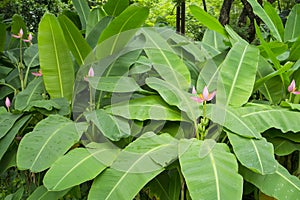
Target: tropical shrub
x,y
113,113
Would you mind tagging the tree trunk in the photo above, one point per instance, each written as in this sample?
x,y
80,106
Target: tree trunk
x,y
248,12
225,12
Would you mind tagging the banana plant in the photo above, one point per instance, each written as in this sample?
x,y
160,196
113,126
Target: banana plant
x,y
156,115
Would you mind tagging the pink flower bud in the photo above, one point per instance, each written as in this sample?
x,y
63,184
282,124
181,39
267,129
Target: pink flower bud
x,y
7,103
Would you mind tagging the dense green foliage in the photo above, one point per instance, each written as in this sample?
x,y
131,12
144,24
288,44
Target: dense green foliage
x,y
105,102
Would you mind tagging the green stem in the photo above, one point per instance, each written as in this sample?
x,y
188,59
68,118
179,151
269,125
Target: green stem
x,y
20,67
182,190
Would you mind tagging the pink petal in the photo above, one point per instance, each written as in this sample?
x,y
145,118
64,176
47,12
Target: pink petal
x,y
292,86
91,72
15,36
7,102
194,90
296,92
211,96
21,32
205,93
39,73
197,99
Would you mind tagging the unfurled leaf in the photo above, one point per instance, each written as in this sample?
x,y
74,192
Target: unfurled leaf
x,y
83,9
55,60
291,31
33,92
112,127
49,140
75,41
7,121
153,108
217,172
280,185
115,7
237,73
257,155
41,193
175,96
79,165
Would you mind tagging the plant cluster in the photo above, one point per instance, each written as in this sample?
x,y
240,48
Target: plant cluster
x,y
103,107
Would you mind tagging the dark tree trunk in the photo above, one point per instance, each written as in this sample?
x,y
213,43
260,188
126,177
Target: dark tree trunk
x,y
204,5
180,17
225,12
248,12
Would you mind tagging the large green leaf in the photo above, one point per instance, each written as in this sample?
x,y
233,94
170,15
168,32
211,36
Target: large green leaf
x,y
137,164
280,184
95,16
2,36
175,97
9,137
7,121
31,56
263,15
79,165
41,193
212,175
119,185
55,59
83,9
208,20
33,92
115,7
77,44
284,147
97,30
131,18
112,127
273,15
214,39
153,108
257,155
291,30
238,72
295,50
49,140
114,84
272,88
165,61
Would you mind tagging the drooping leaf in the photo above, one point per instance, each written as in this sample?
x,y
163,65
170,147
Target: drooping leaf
x,y
115,7
153,108
79,165
119,185
237,73
8,138
114,84
77,44
41,193
280,184
291,30
83,9
33,92
49,140
217,172
175,97
284,147
55,59
263,15
257,155
112,127
168,65
208,20
7,121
